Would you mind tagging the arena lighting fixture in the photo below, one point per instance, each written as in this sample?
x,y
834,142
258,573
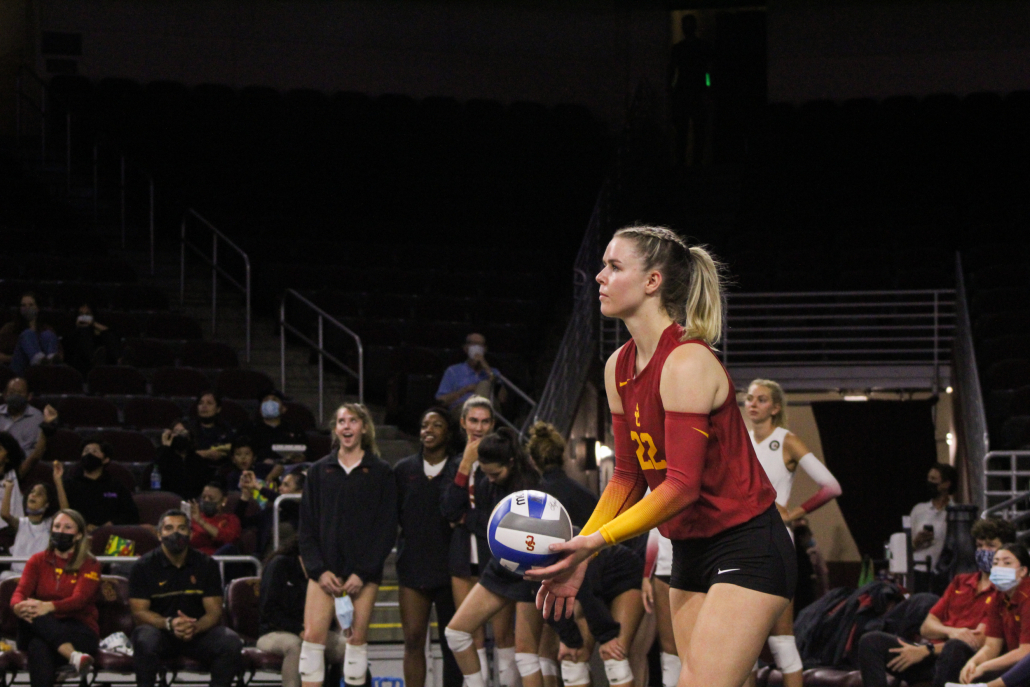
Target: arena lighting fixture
x,y
602,451
950,438
948,390
855,397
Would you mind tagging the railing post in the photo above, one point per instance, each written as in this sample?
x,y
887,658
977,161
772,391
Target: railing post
x,y
247,266
321,373
122,197
182,263
282,343
214,283
17,107
68,149
96,185
152,238
936,343
42,131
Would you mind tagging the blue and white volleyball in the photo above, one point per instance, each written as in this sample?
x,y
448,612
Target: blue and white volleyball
x,y
523,526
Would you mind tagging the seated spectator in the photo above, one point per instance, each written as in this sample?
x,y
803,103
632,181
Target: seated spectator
x,y
175,594
211,436
474,376
11,459
1007,637
930,521
183,470
214,532
284,587
92,343
263,521
269,430
244,459
26,341
547,449
95,493
28,425
956,624
56,603
32,530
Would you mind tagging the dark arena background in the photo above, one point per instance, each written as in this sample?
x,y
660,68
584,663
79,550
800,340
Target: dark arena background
x,y
316,202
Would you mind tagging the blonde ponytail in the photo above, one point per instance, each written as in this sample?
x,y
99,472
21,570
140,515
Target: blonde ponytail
x,y
704,298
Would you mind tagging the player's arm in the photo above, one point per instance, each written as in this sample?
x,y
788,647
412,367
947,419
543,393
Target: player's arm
x,y
829,488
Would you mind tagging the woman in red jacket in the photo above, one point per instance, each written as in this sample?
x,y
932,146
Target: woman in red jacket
x,y
55,602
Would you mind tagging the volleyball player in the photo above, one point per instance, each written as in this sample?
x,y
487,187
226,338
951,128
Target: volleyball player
x,y
348,524
470,552
657,574
422,547
677,429
781,453
506,469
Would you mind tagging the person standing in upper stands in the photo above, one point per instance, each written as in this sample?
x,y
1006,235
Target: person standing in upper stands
x,y
955,625
473,376
95,493
930,518
781,453
183,470
26,341
424,543
348,525
270,430
175,594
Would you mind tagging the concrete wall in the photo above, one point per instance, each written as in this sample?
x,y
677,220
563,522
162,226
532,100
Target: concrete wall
x,y
876,48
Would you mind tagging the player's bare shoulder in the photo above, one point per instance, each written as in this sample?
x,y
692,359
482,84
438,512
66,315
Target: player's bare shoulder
x,y
693,380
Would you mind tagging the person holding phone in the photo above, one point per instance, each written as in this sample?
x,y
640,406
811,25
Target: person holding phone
x,y
930,521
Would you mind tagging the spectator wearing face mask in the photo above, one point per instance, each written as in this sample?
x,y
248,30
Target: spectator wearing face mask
x,y
32,530
92,343
270,429
183,471
473,376
930,518
213,530
26,341
93,491
26,423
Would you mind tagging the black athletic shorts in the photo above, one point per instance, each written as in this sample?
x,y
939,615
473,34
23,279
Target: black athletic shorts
x,y
667,579
508,585
756,554
623,572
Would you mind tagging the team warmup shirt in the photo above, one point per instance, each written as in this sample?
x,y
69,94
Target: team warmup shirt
x,y
718,467
170,589
1009,618
963,604
424,543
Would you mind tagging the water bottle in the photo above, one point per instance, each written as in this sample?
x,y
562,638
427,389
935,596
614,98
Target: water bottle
x,y
155,479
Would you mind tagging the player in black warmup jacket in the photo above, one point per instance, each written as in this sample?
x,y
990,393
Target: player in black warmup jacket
x,y
424,543
348,525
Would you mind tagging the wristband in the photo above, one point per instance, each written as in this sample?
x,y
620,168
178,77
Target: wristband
x,y
168,624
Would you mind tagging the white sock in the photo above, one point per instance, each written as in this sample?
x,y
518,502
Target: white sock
x,y
670,669
74,658
484,666
474,680
507,672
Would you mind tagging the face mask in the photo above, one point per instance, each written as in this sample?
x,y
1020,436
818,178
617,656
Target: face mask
x,y
16,403
270,409
476,350
984,560
62,541
85,320
1004,578
35,511
208,508
181,443
91,462
29,312
175,543
933,489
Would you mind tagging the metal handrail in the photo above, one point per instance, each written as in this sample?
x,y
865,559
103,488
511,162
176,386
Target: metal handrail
x,y
319,347
967,383
221,560
216,270
275,516
530,417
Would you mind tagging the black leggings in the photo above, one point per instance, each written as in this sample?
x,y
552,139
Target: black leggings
x,y
40,639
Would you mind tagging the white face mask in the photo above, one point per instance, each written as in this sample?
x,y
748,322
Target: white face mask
x,y
476,351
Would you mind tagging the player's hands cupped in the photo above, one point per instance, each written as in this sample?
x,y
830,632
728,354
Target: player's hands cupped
x,y
612,650
561,582
353,585
330,583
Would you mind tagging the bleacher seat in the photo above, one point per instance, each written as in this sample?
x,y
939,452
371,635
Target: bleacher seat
x,y
148,353
319,445
128,446
145,538
124,324
172,326
243,384
299,418
242,611
54,379
153,504
145,412
114,616
179,381
116,379
87,411
138,297
208,354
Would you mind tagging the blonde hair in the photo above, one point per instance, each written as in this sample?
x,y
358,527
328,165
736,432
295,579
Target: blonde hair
x,y
778,397
368,438
475,401
546,446
692,282
80,552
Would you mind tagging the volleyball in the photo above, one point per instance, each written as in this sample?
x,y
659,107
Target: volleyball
x,y
523,526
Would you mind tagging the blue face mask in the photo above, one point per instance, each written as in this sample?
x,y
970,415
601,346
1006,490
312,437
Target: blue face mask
x,y
270,409
984,560
1004,578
